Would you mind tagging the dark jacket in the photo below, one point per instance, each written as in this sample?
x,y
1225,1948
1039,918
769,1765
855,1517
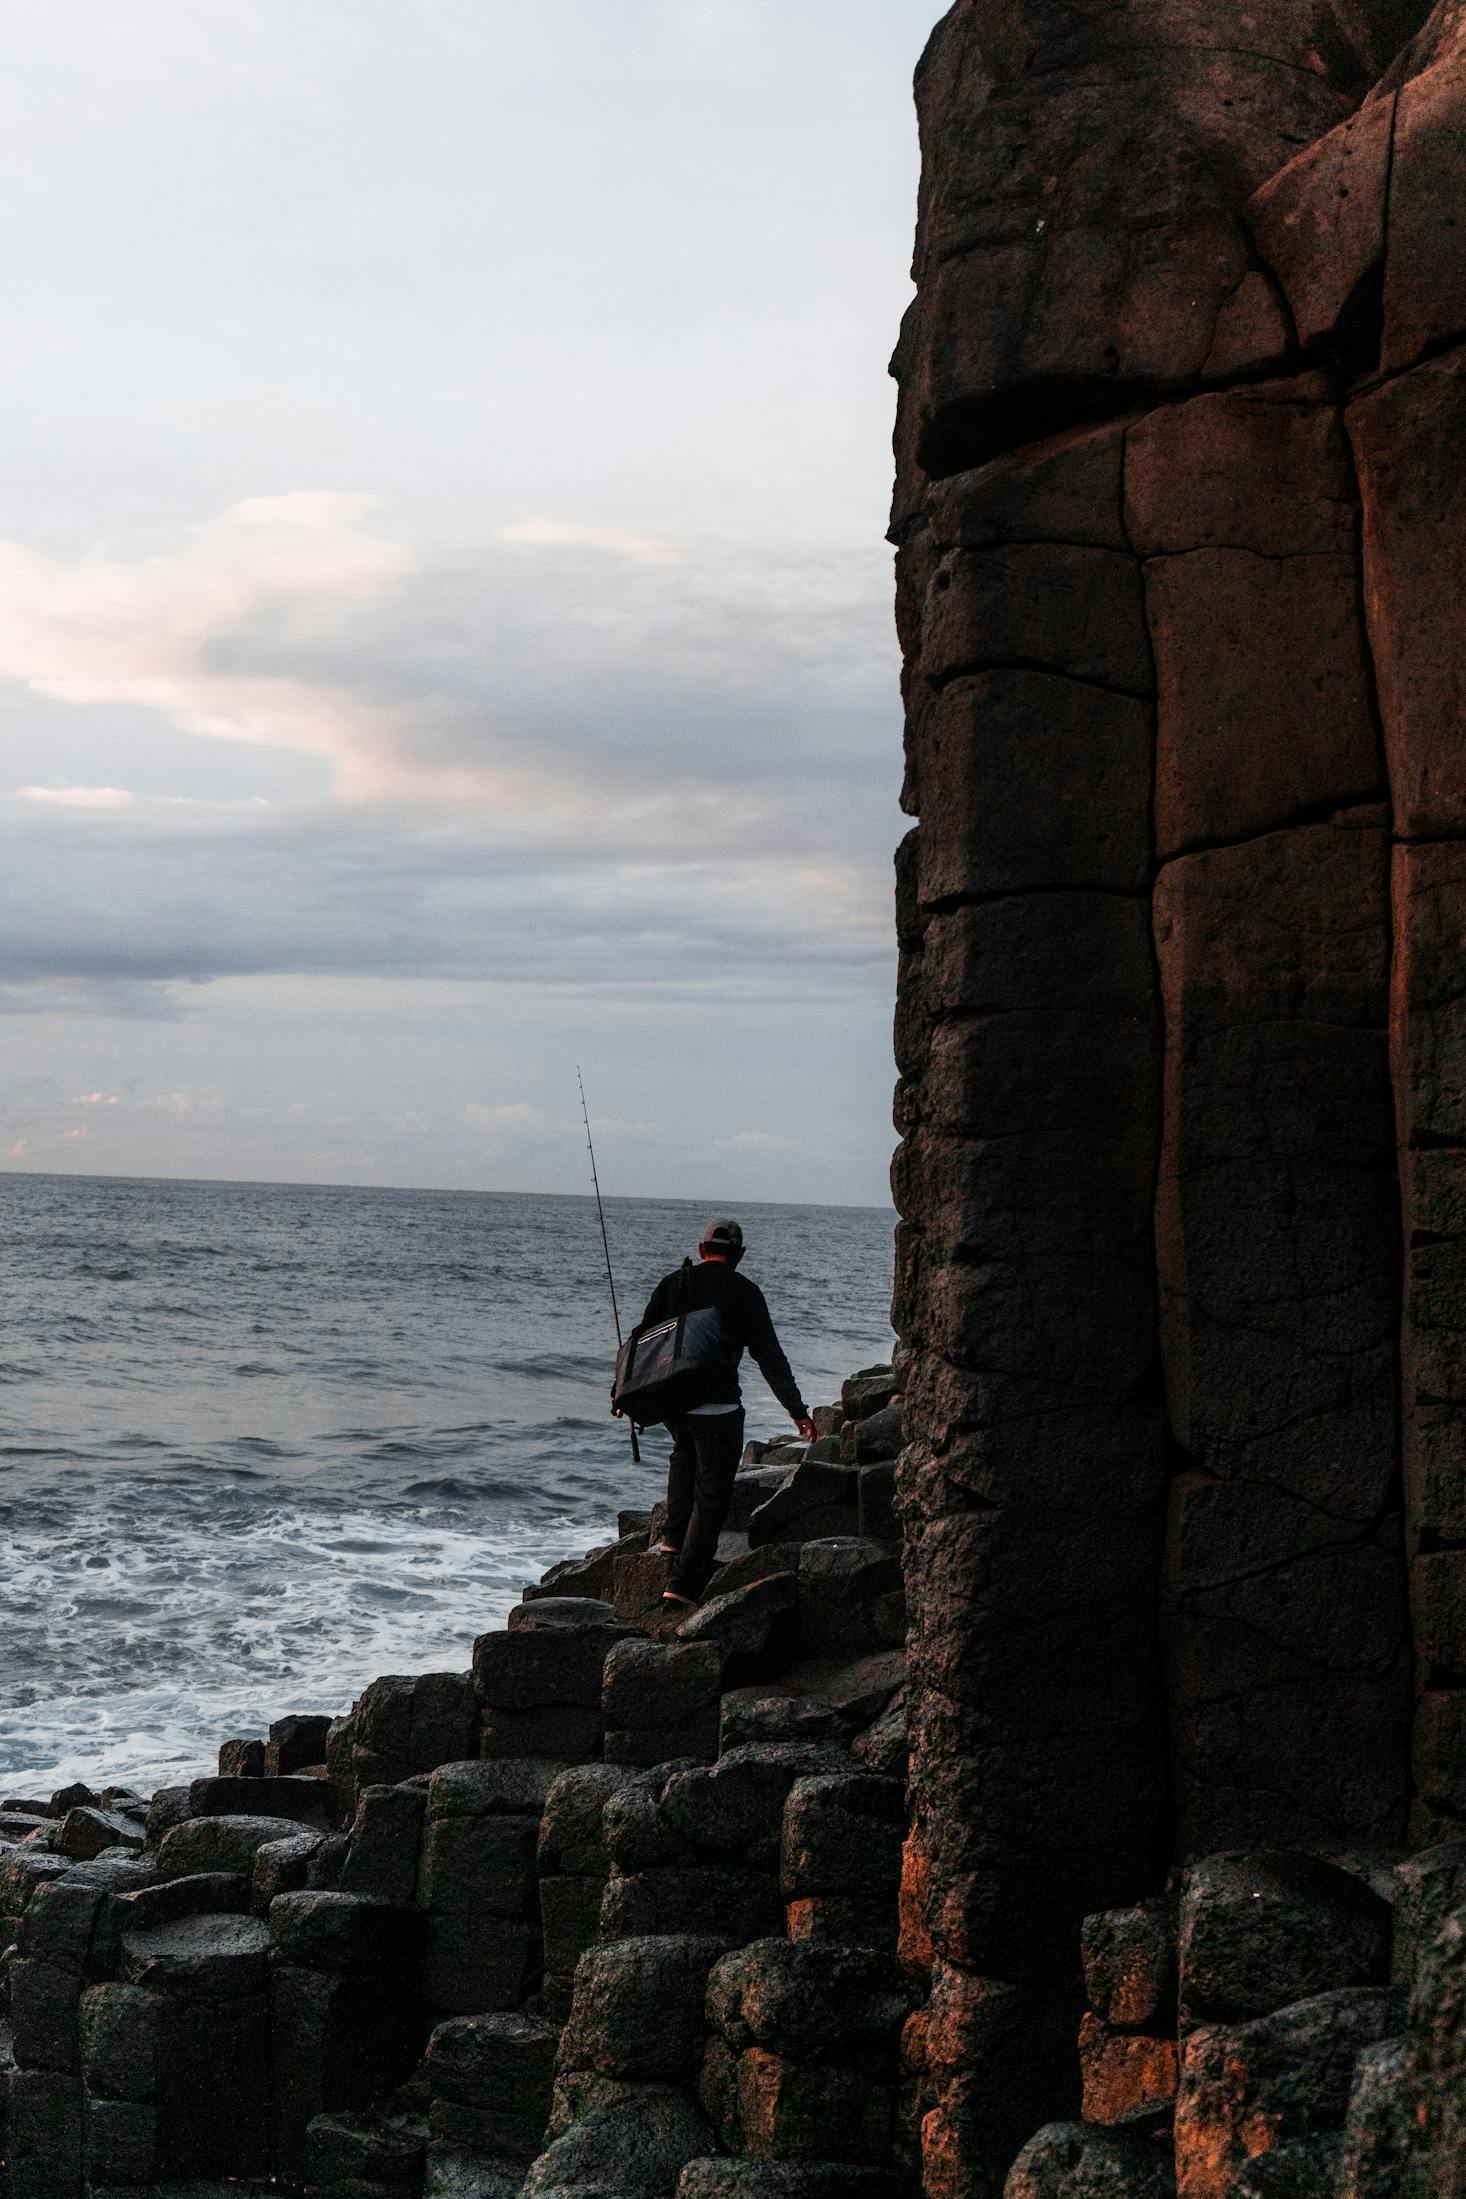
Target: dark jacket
x,y
746,1326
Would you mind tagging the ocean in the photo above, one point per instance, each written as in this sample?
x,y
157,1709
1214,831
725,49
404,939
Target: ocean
x,y
260,1443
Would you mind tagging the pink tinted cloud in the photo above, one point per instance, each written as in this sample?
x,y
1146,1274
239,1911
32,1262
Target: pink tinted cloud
x,y
105,630
81,797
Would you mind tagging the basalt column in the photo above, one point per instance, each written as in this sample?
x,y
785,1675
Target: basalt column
x,y
1149,1253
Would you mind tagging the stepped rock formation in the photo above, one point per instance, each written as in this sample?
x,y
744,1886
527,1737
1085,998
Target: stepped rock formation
x,y
1181,534
1062,1794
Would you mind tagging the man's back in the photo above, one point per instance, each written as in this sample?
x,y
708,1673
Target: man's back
x,y
747,1326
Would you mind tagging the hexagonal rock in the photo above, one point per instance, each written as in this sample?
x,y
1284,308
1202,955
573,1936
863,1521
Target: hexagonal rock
x,y
754,1714
495,2074
810,2003
1378,2129
816,1499
199,1957
552,1653
386,1832
408,1723
1127,2077
660,1700
851,1601
306,1801
572,1837
1253,2087
492,1790
869,1391
344,1933
351,2154
1259,1931
1130,1965
736,1806
1072,2161
85,1833
843,1833
636,2148
734,1902
755,1628
638,2010
220,1843
724,2179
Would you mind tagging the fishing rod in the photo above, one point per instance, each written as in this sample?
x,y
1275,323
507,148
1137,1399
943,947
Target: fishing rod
x,y
605,1245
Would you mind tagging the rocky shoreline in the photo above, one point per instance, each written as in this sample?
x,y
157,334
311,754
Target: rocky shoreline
x,y
631,1911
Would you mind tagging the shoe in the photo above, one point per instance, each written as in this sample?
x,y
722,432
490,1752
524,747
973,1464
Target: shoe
x,y
668,1549
682,1603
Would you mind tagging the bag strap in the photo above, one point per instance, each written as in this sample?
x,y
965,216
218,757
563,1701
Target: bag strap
x,y
683,1309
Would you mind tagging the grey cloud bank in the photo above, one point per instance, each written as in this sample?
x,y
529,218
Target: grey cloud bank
x,y
453,635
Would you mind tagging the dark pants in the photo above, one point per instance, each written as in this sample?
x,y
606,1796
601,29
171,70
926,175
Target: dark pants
x,y
705,1453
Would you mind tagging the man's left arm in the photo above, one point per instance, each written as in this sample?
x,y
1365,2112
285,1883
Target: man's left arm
x,y
768,1356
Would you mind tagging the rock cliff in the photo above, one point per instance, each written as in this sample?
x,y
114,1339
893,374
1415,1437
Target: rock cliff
x,y
1180,533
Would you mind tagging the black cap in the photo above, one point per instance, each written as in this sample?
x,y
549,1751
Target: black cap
x,y
722,1236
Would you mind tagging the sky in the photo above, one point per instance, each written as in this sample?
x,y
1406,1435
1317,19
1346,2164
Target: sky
x,y
445,629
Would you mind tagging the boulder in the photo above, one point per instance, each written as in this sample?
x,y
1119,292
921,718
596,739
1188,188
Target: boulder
x,y
572,1836
1437,2091
632,2149
751,1714
869,1391
1375,2151
346,1934
594,1575
381,1856
295,1744
315,1802
816,1499
736,1806
86,1832
851,1601
1259,1931
1130,1966
220,1843
1429,1885
810,2003
638,2011
409,1723
199,1957
491,2079
660,1699
352,2154
1072,2161
884,1746
875,1437
755,1565
552,1653
1127,2076
282,1867
754,1628
1249,2088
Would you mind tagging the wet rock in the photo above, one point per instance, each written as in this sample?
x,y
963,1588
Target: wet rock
x,y
406,1724
75,1797
736,1902
382,1856
851,1602
1071,2161
295,1744
638,2011
722,2179
1252,2087
282,1867
660,1700
749,1715
1259,1931
85,1833
313,1802
348,2153
491,2078
815,1500
869,1391
635,2149
754,1629
1130,1966
1375,2150
220,1843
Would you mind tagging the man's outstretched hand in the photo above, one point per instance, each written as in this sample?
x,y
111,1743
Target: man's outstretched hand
x,y
806,1429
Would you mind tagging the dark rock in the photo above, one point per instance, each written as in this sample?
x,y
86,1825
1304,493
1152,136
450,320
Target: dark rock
x,y
751,1715
561,1731
572,1836
1259,1931
754,1629
1307,2169
1437,2087
242,1759
345,2152
736,1806
1127,2077
815,1500
404,1725
1377,2132
203,1893
212,1844
314,1802
296,1744
754,1565
345,1933
724,1900
121,2032
213,1957
381,1860
635,2148
877,1516
722,2179
45,2003
1130,1966
1430,1885
851,1602
869,1391
640,1576
663,1687
843,1833
884,1745
594,1575
169,1807
553,1652
282,1867
75,1797
1249,2088
85,1833
638,2009
1072,2161
491,1790
876,1437
812,2003
752,1490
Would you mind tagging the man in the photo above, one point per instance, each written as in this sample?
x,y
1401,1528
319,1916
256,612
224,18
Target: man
x,y
707,1441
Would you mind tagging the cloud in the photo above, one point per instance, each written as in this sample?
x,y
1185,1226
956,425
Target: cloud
x,y
80,797
95,1099
70,1136
627,542
105,630
763,1141
17,1151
